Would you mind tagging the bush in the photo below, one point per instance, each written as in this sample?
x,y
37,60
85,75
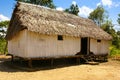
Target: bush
x,y
2,45
114,51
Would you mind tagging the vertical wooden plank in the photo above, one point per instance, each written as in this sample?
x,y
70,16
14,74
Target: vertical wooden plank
x,y
52,62
50,46
77,60
30,63
12,58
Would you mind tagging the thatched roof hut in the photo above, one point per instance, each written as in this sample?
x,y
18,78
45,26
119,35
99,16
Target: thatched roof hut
x,y
52,22
37,32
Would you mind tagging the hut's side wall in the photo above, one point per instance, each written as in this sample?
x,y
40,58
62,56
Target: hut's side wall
x,y
50,46
17,46
99,48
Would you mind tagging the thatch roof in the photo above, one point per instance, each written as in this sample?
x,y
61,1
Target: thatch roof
x,y
52,22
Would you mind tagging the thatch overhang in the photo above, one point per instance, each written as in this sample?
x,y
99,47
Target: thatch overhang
x,y
52,22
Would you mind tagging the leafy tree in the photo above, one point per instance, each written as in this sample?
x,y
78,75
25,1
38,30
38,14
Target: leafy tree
x,y
4,24
46,3
3,27
98,15
108,27
101,19
116,42
117,38
118,33
74,9
118,19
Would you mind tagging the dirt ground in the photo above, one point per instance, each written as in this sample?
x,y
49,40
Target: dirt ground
x,y
104,71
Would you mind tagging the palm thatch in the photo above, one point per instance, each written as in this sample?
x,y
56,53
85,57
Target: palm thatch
x,y
51,22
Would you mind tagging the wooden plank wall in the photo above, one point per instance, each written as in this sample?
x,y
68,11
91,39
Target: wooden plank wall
x,y
50,46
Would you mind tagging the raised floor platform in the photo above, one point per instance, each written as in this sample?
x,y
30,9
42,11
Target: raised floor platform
x,y
86,58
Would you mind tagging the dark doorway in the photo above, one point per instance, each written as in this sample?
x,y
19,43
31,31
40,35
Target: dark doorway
x,y
84,45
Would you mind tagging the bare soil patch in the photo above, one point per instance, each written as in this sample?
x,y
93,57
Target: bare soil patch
x,y
16,71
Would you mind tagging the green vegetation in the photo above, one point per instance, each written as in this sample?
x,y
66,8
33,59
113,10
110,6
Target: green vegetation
x,y
98,15
2,45
3,26
114,51
46,3
118,19
73,9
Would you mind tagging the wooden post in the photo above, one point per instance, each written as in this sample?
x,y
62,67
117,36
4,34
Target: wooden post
x,y
12,58
78,60
52,62
30,63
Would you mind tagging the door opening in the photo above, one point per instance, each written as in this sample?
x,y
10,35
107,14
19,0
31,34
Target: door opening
x,y
84,46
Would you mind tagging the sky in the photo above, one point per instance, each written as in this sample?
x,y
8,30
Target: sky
x,y
85,7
